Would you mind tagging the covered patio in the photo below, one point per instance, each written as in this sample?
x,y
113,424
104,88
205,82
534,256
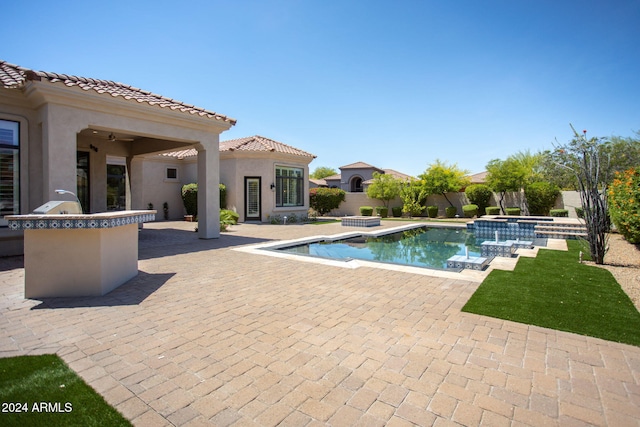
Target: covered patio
x,y
89,136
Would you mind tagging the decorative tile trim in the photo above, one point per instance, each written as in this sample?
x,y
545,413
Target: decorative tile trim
x,y
360,221
472,263
58,222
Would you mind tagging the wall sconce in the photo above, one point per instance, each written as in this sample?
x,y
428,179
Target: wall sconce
x,y
272,186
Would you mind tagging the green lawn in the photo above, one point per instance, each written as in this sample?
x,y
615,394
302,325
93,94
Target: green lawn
x,y
555,291
44,391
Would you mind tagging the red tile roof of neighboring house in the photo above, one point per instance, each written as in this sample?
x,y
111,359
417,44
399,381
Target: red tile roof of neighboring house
x,y
478,178
359,165
251,143
16,77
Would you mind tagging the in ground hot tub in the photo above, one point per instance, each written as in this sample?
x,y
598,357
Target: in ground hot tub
x,y
73,255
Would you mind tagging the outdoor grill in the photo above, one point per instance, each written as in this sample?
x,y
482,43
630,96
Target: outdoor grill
x,y
57,207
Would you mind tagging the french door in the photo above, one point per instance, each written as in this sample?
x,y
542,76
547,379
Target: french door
x,y
252,204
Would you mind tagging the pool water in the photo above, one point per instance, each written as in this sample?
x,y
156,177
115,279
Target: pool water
x,y
429,247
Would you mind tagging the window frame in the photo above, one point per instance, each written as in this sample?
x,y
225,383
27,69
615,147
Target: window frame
x,y
17,157
167,178
291,184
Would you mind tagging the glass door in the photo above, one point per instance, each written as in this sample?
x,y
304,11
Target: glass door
x,y
82,180
116,187
252,198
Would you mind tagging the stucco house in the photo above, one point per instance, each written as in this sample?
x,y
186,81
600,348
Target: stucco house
x,y
355,177
263,177
90,137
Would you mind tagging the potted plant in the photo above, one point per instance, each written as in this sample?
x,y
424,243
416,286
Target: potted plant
x,y
190,200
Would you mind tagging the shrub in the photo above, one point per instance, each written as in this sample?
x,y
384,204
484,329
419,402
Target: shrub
x,y
366,210
624,204
580,211
492,210
479,194
450,211
559,212
470,211
396,211
227,218
541,197
414,197
190,198
432,211
382,211
223,196
324,200
512,211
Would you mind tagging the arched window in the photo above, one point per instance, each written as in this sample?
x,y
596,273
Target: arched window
x,y
356,184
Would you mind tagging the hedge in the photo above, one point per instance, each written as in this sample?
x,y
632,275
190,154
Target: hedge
x,y
190,198
382,211
396,211
559,212
492,210
324,200
470,211
512,211
432,211
450,211
366,210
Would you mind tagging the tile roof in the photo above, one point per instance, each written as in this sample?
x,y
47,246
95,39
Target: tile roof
x,y
398,175
358,165
333,177
251,143
478,178
16,77
260,143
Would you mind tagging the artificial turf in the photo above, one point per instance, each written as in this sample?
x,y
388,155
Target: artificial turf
x,y
44,391
555,291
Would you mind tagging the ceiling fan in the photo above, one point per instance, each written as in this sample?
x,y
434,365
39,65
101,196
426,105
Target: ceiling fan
x,y
113,138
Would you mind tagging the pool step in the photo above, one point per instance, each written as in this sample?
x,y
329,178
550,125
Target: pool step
x,y
561,231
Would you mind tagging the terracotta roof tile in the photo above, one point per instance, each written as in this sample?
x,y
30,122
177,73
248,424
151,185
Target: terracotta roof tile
x,y
13,76
260,143
251,143
359,165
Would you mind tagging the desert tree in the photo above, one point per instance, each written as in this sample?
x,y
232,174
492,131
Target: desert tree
x,y
589,162
322,172
442,178
384,187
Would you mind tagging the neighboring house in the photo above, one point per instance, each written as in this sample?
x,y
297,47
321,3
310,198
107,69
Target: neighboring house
x,y
89,136
355,177
317,183
478,178
263,177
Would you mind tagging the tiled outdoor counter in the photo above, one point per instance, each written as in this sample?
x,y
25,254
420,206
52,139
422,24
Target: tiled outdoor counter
x,y
79,255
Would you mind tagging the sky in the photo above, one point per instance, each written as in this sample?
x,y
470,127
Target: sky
x,y
396,84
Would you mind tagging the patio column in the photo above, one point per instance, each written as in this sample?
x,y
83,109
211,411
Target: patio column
x,y
59,147
208,188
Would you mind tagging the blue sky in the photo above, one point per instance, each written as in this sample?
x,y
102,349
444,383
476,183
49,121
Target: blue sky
x,y
394,84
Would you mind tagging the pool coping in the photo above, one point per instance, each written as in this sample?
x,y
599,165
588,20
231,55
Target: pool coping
x,y
268,249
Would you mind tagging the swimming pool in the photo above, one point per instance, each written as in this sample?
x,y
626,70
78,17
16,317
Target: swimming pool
x,y
428,247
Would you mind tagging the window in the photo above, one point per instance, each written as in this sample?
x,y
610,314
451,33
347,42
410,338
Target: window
x,y
172,174
289,186
9,169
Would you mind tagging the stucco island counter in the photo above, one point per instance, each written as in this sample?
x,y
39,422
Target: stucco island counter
x,y
79,254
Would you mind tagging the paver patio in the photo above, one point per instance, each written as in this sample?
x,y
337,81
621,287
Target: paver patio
x,y
206,335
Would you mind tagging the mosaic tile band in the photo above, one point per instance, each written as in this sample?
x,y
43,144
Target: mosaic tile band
x,y
58,223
